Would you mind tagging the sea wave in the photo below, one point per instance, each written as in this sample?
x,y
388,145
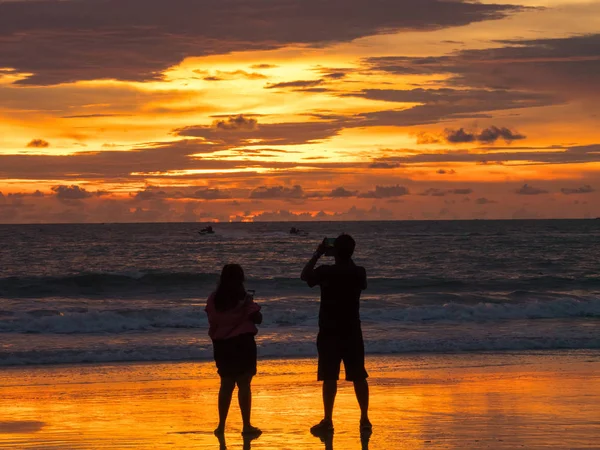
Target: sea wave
x,y
102,284
173,284
277,314
272,349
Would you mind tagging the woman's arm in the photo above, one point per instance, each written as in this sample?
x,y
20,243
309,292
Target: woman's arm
x,y
256,317
253,309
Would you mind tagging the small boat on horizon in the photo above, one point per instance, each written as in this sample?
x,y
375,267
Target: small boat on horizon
x,y
206,230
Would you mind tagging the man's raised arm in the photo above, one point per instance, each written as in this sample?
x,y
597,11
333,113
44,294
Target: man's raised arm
x,y
308,273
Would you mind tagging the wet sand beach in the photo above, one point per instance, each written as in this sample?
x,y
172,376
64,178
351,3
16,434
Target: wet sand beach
x,y
456,401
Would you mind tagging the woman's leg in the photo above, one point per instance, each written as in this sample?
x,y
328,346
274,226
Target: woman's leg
x,y
245,398
225,394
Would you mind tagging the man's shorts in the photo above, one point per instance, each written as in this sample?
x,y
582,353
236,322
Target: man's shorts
x,y
335,348
236,356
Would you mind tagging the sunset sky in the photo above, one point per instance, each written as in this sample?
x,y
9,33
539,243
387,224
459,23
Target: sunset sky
x,y
231,110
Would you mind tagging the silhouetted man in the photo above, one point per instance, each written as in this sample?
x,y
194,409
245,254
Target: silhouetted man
x,y
340,334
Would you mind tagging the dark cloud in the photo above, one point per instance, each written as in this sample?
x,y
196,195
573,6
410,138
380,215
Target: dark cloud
x,y
342,192
463,191
560,65
235,74
317,90
21,195
518,155
459,136
278,192
239,122
335,75
282,216
155,193
353,213
62,41
263,66
487,136
492,134
157,159
150,215
185,155
435,192
93,116
385,192
586,189
436,105
484,201
568,67
73,192
294,84
290,133
109,164
530,190
38,143
150,193
211,194
383,165
446,172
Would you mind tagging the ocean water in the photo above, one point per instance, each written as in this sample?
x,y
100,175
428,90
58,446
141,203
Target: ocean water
x,y
136,292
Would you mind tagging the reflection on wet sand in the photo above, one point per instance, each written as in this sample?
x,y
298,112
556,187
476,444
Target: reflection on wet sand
x,y
327,440
435,401
246,440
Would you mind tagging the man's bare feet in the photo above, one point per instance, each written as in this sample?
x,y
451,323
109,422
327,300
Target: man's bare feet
x,y
250,431
324,427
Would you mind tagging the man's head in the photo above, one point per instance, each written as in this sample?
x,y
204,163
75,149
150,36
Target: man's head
x,y
344,247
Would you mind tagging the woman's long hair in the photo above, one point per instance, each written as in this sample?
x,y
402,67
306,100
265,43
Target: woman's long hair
x,y
230,290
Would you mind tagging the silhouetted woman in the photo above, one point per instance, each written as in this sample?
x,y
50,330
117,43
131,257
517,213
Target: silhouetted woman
x,y
232,317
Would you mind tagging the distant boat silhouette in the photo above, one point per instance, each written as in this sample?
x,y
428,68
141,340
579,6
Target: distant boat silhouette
x,y
298,231
206,230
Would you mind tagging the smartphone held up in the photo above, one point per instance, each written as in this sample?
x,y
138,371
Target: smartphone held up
x,y
329,246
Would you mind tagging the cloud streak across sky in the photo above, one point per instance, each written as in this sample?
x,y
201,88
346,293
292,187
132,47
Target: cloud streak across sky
x,y
138,39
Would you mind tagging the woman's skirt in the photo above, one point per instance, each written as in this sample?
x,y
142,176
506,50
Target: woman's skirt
x,y
235,356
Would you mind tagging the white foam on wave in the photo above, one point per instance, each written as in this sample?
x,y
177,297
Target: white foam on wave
x,y
304,346
105,321
484,311
284,313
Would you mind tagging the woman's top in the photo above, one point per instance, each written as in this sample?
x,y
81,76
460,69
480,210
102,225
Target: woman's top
x,y
232,322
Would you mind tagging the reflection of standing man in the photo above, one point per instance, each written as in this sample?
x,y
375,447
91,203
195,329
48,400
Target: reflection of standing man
x,y
340,335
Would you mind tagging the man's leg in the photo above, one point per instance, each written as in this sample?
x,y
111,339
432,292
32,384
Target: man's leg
x,y
329,393
354,361
325,427
328,373
361,389
225,394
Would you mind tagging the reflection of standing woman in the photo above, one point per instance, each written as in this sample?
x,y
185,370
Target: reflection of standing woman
x,y
232,316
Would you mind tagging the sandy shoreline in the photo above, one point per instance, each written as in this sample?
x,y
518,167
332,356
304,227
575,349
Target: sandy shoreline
x,y
499,401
